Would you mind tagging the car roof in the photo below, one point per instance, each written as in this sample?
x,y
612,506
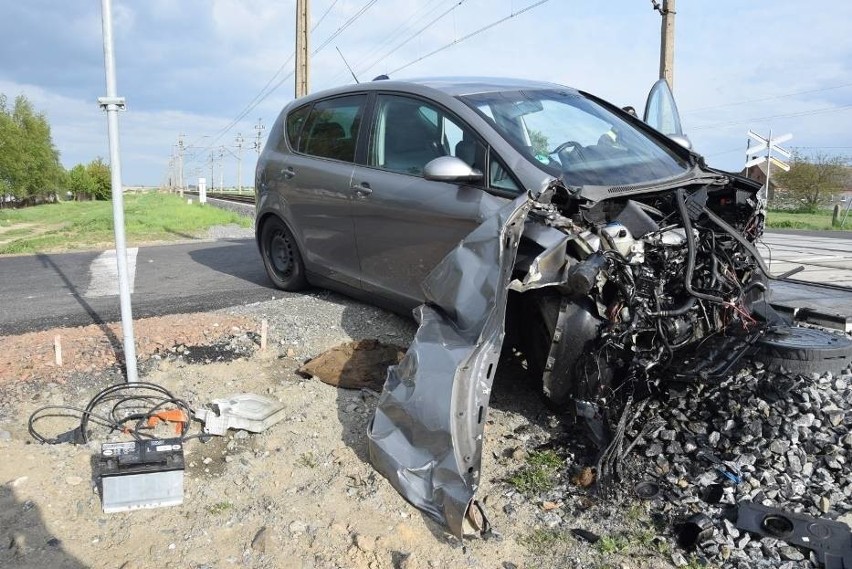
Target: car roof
x,y
451,86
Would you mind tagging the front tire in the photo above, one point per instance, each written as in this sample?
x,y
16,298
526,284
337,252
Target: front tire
x,y
281,256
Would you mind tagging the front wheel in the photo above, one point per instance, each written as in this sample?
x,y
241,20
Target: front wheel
x,y
566,364
281,256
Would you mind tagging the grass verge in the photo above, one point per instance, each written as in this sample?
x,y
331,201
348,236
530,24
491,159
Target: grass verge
x,y
819,221
84,225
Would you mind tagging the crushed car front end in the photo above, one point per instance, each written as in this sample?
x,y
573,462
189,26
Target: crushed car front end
x,y
616,295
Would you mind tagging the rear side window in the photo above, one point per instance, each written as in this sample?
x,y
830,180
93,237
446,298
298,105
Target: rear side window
x,y
331,128
295,120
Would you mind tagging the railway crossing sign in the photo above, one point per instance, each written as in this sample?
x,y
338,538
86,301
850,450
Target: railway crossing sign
x,y
764,149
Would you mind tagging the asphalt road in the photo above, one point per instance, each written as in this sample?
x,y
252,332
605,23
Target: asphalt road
x,y
72,289
44,291
827,258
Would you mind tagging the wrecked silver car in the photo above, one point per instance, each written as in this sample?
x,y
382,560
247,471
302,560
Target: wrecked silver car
x,y
518,213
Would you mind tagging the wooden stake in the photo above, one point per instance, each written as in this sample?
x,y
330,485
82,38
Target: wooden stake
x,y
57,349
264,328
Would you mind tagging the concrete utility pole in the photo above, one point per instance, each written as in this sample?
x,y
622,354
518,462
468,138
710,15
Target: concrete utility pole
x,y
667,37
259,128
302,47
112,103
239,140
181,148
212,164
222,168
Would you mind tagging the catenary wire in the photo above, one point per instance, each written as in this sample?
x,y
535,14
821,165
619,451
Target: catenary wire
x,y
468,36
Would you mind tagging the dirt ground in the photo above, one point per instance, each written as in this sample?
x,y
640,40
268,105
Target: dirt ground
x,y
300,495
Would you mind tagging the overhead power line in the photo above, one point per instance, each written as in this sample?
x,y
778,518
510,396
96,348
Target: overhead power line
x,y
762,99
470,35
781,116
419,15
345,25
271,86
411,37
324,14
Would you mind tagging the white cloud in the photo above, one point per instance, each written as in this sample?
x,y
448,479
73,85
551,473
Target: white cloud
x,y
192,66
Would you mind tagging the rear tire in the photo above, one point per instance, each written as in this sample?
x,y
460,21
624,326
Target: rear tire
x,y
281,256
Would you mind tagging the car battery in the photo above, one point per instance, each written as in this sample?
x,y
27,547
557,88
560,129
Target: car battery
x,y
140,474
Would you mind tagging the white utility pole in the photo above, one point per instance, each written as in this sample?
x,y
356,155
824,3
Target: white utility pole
x,y
667,38
303,35
222,168
239,142
259,128
112,103
212,177
181,148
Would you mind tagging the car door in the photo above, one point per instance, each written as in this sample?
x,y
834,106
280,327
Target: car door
x,y
404,223
313,179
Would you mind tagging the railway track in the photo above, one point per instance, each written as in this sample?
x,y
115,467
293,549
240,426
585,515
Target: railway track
x,y
228,197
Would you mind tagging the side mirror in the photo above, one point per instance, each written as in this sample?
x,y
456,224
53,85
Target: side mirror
x,y
450,169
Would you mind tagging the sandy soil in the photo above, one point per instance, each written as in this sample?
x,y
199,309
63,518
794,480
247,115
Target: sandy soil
x,y
302,494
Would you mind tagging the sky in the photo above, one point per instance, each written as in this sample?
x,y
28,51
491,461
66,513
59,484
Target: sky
x,y
213,69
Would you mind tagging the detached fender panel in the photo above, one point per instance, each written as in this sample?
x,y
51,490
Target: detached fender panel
x,y
427,433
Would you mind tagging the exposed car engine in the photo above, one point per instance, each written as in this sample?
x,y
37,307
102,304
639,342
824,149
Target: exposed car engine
x,y
656,287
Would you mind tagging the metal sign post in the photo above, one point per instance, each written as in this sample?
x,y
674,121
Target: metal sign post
x,y
112,103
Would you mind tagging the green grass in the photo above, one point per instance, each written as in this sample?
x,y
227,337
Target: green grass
x,y
538,474
308,460
85,225
220,508
541,541
820,220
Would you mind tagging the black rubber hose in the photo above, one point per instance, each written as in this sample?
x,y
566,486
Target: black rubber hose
x,y
690,249
682,309
736,235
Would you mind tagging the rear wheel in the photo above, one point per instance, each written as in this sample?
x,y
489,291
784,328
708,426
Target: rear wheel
x,y
281,256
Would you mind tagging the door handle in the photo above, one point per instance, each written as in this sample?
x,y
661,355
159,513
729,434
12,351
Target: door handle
x,y
362,190
288,172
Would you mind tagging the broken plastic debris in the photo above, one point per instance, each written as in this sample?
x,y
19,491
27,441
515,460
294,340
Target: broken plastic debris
x,y
831,541
246,411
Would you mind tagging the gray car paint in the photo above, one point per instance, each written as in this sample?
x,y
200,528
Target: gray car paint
x,y
332,222
427,432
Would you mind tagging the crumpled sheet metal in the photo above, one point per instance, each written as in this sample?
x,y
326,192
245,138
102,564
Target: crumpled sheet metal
x,y
426,435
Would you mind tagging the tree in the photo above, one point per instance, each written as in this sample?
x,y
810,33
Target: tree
x,y
101,178
29,162
811,181
80,182
539,143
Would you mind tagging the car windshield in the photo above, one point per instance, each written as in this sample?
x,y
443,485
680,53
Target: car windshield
x,y
576,138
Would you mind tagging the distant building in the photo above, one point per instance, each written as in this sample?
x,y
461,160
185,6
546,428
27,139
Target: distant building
x,y
758,174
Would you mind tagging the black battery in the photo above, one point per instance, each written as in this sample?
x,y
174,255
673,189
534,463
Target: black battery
x,y
140,474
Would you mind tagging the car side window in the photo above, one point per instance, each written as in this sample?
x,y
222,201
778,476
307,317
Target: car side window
x,y
408,133
499,177
331,129
295,120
